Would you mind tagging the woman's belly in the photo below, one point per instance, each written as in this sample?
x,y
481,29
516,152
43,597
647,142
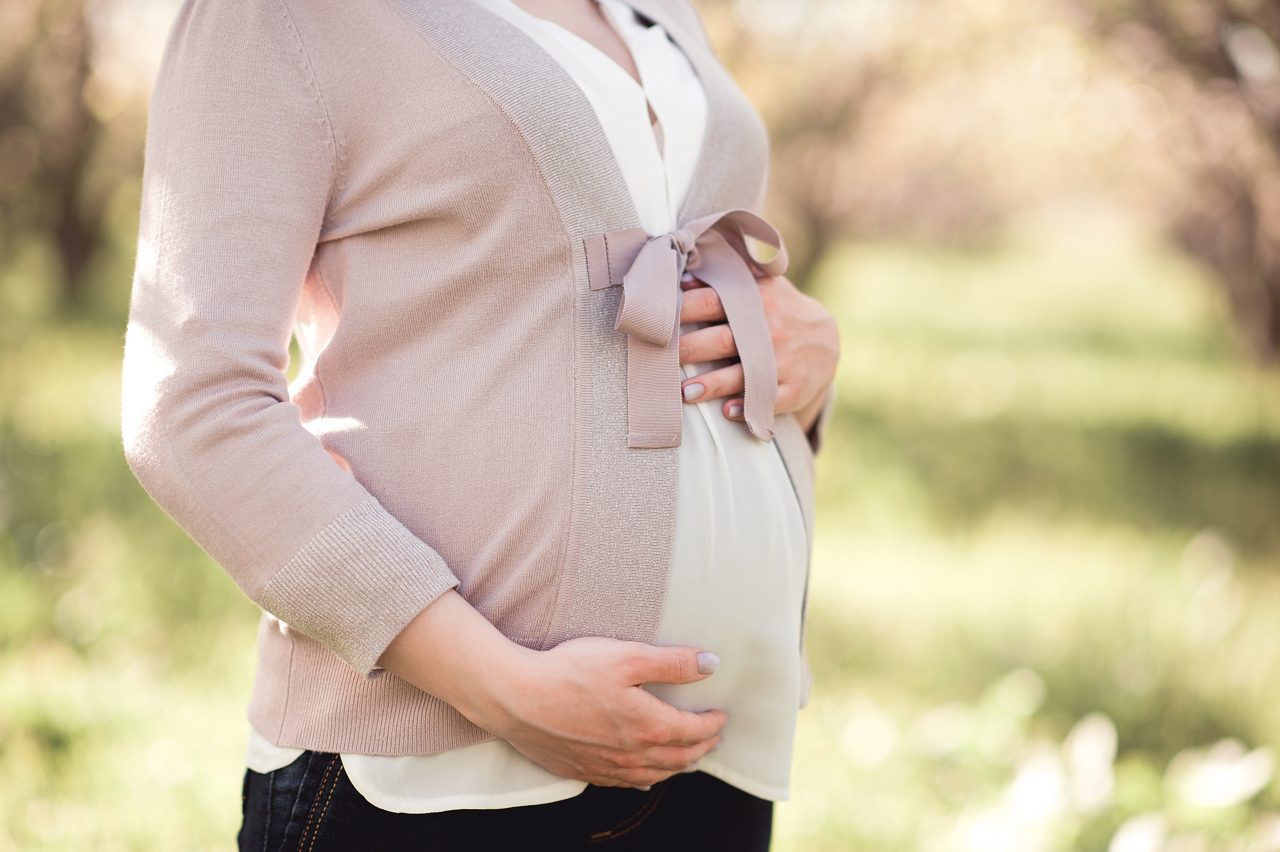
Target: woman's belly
x,y
736,588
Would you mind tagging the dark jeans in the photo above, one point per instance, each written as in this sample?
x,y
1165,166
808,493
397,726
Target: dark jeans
x,y
310,805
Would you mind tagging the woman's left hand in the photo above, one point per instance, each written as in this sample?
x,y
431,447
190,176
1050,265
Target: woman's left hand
x,y
806,343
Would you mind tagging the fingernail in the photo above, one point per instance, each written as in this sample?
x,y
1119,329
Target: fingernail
x,y
693,390
735,410
707,662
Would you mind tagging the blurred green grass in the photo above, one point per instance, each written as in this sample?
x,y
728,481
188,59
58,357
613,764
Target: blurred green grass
x,y
1049,496
1052,493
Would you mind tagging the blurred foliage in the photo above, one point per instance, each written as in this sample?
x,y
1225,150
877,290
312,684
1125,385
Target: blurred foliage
x,y
50,135
1216,64
944,120
1045,586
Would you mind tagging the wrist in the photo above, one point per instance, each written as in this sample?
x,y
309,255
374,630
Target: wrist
x,y
450,650
500,678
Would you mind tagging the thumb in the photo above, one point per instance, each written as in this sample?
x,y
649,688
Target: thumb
x,y
672,664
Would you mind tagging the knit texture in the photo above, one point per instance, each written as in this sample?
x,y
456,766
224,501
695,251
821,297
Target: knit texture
x,y
406,186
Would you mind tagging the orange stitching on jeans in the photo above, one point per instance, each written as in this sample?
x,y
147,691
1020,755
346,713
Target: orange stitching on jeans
x,y
316,836
316,801
635,821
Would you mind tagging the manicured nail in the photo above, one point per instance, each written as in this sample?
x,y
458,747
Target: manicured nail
x,y
693,390
735,410
707,662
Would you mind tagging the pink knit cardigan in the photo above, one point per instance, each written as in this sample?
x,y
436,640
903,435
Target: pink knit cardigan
x,y
411,187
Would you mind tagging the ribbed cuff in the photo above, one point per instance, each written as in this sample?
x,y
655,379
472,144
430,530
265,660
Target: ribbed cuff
x,y
357,584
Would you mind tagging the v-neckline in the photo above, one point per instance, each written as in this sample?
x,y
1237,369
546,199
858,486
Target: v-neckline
x,y
591,46
701,66
695,197
640,86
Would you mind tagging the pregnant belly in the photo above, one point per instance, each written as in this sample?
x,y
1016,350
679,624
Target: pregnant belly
x,y
738,571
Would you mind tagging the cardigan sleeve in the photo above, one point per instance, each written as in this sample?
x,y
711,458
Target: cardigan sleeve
x,y
240,162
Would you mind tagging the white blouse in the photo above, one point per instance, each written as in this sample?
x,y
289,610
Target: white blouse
x,y
739,532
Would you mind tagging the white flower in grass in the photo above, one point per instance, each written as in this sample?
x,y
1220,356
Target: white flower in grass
x,y
1039,790
1142,833
1220,776
1090,752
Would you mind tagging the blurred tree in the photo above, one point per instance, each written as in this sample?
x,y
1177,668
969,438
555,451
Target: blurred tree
x,y
1227,51
48,135
811,135
841,83
929,120
1193,84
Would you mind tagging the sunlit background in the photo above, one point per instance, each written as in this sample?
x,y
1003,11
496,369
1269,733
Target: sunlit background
x,y
1046,590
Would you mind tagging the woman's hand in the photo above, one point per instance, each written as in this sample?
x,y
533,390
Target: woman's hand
x,y
577,710
806,343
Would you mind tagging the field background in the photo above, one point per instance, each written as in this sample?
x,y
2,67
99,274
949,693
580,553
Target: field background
x,y
1046,592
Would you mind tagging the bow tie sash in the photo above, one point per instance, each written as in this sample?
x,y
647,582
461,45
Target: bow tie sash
x,y
648,269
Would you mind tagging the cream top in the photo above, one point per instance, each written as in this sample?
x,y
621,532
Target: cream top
x,y
737,576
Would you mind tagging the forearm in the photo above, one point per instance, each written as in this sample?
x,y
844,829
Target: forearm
x,y
577,710
451,651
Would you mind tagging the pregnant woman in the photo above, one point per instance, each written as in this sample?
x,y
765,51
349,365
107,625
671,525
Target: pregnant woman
x,y
531,527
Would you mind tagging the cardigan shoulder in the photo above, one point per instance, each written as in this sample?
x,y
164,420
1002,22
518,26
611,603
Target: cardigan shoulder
x,y
238,77
692,17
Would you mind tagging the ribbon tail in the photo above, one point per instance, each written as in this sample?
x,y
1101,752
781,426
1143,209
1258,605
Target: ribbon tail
x,y
655,410
735,226
726,272
648,308
649,314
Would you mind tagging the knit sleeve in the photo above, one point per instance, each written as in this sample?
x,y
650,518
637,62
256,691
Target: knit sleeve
x,y
240,162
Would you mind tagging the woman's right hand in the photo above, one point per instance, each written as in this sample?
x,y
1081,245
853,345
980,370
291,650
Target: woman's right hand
x,y
577,710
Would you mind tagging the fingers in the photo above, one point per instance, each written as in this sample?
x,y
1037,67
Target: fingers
x,y
634,738
689,281
722,381
669,726
729,382
659,764
669,664
701,304
639,779
707,344
687,728
786,401
679,758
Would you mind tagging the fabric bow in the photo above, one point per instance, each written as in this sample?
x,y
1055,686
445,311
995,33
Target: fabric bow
x,y
648,268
